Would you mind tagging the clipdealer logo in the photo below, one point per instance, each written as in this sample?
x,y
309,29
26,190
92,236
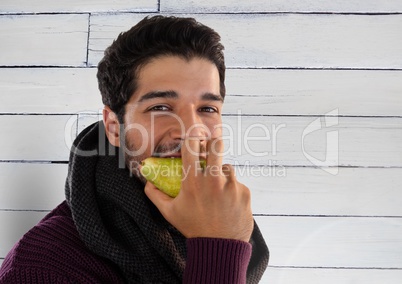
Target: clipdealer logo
x,y
331,160
325,125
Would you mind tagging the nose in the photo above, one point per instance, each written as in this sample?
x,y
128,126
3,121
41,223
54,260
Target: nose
x,y
189,124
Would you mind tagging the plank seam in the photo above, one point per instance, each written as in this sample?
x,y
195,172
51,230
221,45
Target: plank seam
x,y
328,216
255,215
334,267
235,165
224,114
227,68
47,67
158,11
88,39
25,210
45,113
42,13
286,13
32,162
318,167
311,68
144,11
309,115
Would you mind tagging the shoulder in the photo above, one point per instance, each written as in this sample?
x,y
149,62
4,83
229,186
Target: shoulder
x,y
54,247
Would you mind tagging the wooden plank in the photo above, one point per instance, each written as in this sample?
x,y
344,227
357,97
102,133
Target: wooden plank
x,y
313,92
68,6
104,29
255,6
36,137
14,224
301,191
49,90
312,191
31,186
252,91
310,141
288,141
274,275
285,41
85,120
294,141
44,40
333,242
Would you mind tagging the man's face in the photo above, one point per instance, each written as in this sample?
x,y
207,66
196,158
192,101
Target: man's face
x,y
175,99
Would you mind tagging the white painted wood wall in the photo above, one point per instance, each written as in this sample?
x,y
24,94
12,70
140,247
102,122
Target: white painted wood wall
x,y
328,70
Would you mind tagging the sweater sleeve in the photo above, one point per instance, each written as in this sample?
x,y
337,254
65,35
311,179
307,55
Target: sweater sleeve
x,y
216,261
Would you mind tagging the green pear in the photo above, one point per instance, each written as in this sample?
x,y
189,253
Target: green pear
x,y
165,173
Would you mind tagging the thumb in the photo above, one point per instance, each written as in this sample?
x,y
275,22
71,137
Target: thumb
x,y
157,197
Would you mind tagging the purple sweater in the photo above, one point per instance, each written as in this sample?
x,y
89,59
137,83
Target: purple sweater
x,y
52,252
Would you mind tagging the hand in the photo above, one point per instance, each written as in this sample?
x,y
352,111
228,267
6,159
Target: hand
x,y
211,202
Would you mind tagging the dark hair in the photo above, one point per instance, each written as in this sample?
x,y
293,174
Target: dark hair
x,y
151,38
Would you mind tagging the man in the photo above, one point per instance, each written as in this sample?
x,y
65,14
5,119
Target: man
x,y
162,84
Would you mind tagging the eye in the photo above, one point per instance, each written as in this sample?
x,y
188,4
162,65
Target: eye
x,y
159,108
209,109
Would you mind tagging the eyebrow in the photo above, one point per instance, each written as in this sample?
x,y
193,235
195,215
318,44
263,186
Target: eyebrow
x,y
211,97
159,94
174,95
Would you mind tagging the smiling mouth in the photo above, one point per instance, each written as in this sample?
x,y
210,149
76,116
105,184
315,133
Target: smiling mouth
x,y
174,151
168,155
202,156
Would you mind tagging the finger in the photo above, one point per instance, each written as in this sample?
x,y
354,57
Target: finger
x,y
229,172
215,148
190,152
157,197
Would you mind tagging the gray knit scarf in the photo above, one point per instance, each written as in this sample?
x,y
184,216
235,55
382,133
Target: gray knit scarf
x,y
117,221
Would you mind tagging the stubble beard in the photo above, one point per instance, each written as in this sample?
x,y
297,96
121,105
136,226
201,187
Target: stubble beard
x,y
133,162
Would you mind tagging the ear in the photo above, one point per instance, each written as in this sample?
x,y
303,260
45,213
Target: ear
x,y
112,126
